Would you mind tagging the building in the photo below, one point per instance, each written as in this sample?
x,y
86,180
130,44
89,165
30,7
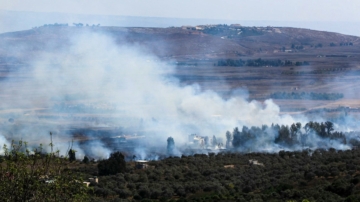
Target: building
x,y
141,164
255,162
197,141
235,25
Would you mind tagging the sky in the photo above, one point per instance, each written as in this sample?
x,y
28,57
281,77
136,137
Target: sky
x,y
274,10
294,11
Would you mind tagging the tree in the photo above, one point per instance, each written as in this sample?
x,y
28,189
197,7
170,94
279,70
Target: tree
x,y
284,136
308,127
214,141
329,127
170,146
115,164
72,156
206,141
228,139
236,137
85,160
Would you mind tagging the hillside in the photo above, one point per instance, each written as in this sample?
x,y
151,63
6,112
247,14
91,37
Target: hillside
x,y
332,59
193,42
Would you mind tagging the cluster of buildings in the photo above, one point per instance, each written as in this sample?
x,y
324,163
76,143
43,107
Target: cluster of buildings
x,y
203,27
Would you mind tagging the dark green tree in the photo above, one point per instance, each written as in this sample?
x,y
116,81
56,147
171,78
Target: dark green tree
x,y
236,137
115,164
85,160
72,156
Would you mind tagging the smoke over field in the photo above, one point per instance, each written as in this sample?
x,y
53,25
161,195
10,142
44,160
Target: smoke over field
x,y
96,82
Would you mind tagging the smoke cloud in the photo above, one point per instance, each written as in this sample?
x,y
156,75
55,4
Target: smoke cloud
x,y
127,87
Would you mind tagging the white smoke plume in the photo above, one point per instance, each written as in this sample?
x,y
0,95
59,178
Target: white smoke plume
x,y
125,84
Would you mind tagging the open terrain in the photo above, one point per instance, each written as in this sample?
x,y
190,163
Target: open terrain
x,y
333,59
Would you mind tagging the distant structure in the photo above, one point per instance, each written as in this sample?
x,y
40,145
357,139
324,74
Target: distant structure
x,y
199,28
198,141
91,180
204,142
142,164
255,162
188,27
235,25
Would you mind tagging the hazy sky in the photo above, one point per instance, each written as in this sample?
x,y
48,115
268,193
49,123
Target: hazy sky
x,y
324,15
271,10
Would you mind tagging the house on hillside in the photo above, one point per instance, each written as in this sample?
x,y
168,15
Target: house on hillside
x,y
188,27
141,164
199,28
229,166
235,25
91,180
255,162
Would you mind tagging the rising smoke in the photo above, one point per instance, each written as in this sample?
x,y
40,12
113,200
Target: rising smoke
x,y
96,77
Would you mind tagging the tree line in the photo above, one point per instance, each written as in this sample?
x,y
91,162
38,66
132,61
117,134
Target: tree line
x,y
319,71
312,134
259,63
306,96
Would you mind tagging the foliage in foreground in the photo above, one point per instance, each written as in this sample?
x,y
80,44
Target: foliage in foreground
x,y
37,176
